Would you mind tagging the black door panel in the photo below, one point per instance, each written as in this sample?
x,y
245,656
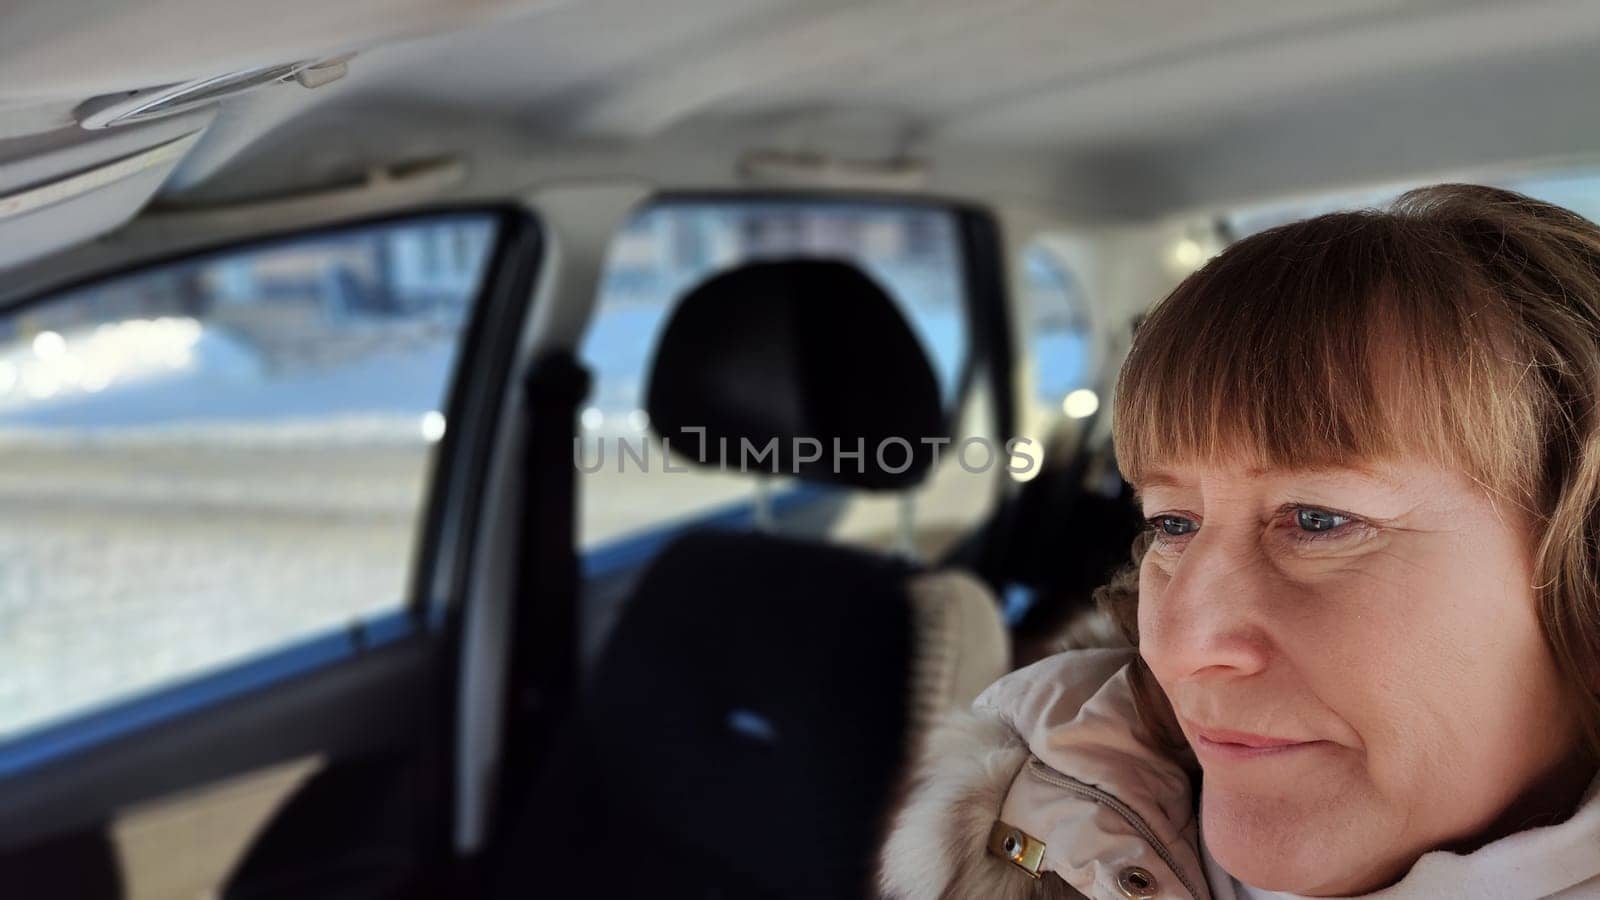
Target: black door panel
x,y
352,824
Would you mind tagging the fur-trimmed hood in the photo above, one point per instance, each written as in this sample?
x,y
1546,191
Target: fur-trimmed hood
x,y
1053,769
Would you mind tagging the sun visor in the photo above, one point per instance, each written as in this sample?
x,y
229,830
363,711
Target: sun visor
x,y
67,186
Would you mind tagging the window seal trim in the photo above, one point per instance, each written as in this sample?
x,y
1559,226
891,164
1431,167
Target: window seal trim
x,y
55,740
289,234
473,402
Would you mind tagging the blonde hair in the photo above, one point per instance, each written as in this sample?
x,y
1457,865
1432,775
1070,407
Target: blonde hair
x,y
1462,323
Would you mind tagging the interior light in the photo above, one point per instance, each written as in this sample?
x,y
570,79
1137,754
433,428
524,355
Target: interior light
x,y
1188,253
1080,404
638,420
592,419
1023,476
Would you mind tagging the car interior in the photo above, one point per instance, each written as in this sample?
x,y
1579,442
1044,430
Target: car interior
x,y
577,448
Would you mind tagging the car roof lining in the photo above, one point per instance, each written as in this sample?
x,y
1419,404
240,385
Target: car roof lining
x,y
1105,112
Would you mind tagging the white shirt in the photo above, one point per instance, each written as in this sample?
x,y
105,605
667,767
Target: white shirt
x,y
1558,862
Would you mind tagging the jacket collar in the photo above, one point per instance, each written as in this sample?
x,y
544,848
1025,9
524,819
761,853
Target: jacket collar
x,y
1560,860
1098,791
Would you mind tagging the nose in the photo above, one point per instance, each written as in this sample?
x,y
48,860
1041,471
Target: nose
x,y
1205,617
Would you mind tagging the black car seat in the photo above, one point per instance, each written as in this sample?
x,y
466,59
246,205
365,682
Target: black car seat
x,y
758,698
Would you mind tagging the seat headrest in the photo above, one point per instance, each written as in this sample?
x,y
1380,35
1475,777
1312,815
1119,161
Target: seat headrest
x,y
781,352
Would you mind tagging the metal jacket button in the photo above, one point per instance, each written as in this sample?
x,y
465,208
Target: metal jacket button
x,y
1136,883
1018,848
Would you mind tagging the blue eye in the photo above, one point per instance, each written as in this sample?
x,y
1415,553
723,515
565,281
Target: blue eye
x,y
1317,520
1173,526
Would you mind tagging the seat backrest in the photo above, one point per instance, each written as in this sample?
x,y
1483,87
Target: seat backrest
x,y
753,702
959,644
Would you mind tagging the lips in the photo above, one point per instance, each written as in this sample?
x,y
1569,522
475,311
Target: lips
x,y
1222,743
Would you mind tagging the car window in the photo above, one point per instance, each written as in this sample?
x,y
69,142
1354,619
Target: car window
x,y
666,250
1060,338
211,459
1577,189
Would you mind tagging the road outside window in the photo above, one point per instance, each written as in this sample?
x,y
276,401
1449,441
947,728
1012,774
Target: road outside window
x,y
213,459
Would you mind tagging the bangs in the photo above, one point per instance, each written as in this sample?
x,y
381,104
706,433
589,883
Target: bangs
x,y
1343,339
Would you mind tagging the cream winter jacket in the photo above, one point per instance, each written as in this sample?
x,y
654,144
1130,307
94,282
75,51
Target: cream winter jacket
x,y
1052,788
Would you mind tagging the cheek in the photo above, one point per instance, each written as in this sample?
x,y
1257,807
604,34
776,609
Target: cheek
x,y
1488,668
1153,579
1433,655
1378,647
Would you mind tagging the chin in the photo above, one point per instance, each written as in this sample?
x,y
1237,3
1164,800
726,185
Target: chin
x,y
1282,845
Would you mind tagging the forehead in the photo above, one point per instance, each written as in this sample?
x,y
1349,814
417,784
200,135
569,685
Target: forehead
x,y
1395,474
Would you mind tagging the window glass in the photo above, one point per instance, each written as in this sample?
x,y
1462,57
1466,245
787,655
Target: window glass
x,y
666,250
1249,220
211,459
1059,335
1575,189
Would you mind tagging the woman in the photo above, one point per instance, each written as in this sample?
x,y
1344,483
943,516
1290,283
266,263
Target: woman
x,y
1366,610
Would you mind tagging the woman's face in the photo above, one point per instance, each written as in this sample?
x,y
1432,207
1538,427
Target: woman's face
x,y
1356,658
